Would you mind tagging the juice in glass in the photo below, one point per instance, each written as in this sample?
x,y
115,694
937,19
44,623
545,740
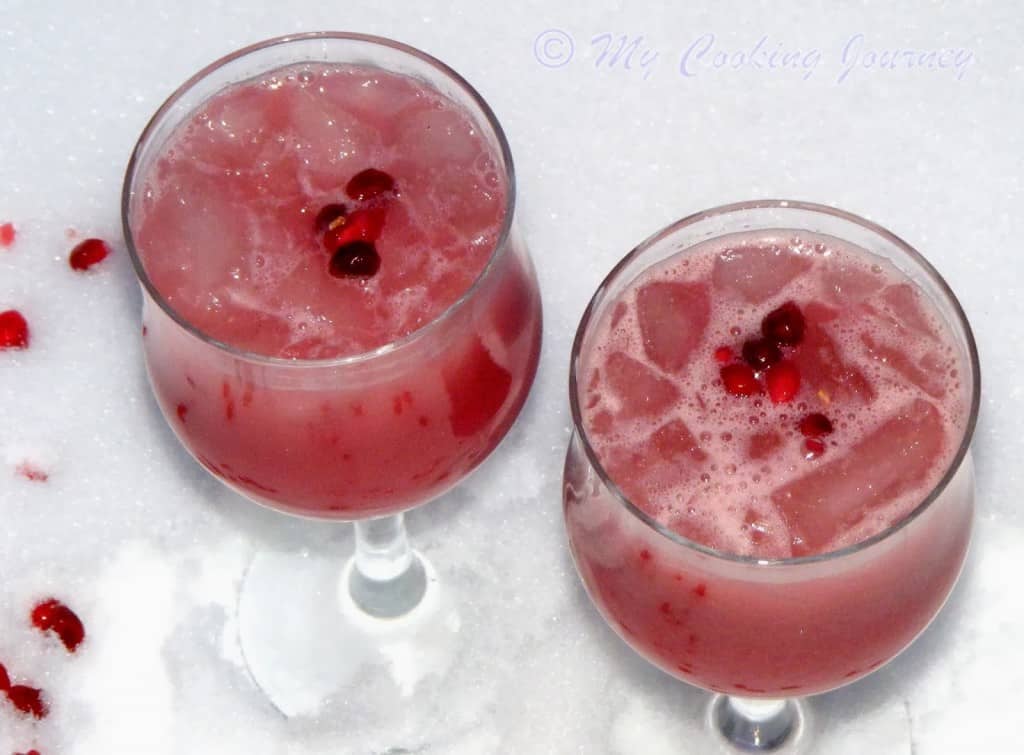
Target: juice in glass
x,y
767,494
254,224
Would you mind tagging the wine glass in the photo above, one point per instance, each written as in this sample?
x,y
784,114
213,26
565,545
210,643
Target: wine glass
x,y
763,633
361,437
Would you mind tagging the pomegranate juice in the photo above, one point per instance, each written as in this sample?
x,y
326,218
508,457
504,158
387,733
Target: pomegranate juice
x,y
342,230
769,396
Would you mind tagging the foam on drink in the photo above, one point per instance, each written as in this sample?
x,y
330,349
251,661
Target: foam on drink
x,y
225,221
731,471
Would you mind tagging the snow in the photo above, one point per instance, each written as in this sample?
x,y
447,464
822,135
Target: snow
x,y
149,550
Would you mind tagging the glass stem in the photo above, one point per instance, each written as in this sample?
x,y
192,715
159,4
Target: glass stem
x,y
387,578
755,724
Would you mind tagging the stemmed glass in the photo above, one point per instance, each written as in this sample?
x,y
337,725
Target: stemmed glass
x,y
763,633
361,438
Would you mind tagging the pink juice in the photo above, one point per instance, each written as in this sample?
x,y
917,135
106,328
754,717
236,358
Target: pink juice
x,y
348,390
784,449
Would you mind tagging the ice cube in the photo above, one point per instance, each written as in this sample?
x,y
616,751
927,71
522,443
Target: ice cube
x,y
851,284
478,387
696,524
672,317
375,97
757,273
930,382
194,217
436,135
601,423
903,302
627,467
330,145
763,444
836,495
767,536
674,442
238,133
825,372
639,390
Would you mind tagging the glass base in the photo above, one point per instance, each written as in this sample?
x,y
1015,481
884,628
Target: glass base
x,y
755,725
306,642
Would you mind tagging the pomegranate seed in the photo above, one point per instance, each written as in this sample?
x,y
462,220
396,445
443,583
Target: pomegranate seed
x,y
54,615
30,752
6,234
783,381
784,325
329,216
358,259
88,253
13,330
28,700
760,353
5,681
361,225
31,472
723,355
369,183
814,447
814,425
739,380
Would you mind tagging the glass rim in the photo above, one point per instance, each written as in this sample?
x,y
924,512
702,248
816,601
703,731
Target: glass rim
x,y
394,346
680,540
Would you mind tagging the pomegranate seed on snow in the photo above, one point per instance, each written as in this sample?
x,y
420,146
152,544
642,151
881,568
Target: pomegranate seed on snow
x,y
739,380
53,615
782,381
28,700
31,472
88,253
7,234
784,325
5,680
13,330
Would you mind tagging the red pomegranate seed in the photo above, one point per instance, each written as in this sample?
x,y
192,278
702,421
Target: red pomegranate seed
x,y
739,380
814,448
30,752
31,472
53,615
356,260
6,234
28,700
783,381
784,325
88,253
815,425
723,355
760,353
369,183
361,225
329,216
13,330
5,680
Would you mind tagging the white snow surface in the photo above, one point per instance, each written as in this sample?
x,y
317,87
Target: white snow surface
x,y
150,550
